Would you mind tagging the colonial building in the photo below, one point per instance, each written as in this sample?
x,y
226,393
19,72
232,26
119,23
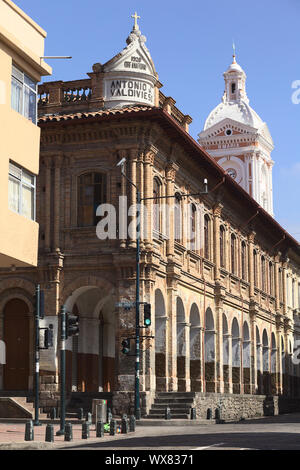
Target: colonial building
x,y
222,276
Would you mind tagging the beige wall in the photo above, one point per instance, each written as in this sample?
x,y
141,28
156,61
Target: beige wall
x,y
21,42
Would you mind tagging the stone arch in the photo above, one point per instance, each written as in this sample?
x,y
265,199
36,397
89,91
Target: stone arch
x,y
273,364
246,357
160,341
181,344
258,362
266,361
210,353
226,357
195,348
91,355
236,356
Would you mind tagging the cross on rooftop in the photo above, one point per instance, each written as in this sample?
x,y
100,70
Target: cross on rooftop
x,y
136,17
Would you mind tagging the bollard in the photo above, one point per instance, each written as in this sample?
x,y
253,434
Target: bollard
x,y
193,413
168,413
68,432
29,432
85,430
112,427
89,418
53,413
132,423
80,414
217,414
49,433
209,413
109,415
100,429
124,425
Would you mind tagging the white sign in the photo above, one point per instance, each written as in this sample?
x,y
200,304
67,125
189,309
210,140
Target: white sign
x,y
133,90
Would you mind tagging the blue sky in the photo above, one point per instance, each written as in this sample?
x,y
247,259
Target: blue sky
x,y
191,45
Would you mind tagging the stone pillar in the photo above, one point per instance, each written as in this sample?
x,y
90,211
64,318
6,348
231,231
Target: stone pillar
x,y
170,179
57,176
195,359
284,290
67,198
253,352
140,182
279,371
172,338
276,284
148,191
123,222
251,238
219,298
229,338
48,163
216,234
183,362
132,193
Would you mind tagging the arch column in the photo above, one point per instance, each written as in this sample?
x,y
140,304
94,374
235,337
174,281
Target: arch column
x,y
253,352
132,190
195,359
183,360
172,339
48,163
57,177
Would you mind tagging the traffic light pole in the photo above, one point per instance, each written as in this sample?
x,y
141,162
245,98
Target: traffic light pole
x,y
137,316
37,355
61,431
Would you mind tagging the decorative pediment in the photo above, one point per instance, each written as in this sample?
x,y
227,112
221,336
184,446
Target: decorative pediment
x,y
130,76
227,128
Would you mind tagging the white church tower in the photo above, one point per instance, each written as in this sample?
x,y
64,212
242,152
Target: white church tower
x,y
236,137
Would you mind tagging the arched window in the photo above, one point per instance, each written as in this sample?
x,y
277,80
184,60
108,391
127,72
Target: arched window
x,y
222,246
243,254
233,88
91,193
192,227
271,276
206,236
263,274
233,254
255,267
156,205
177,218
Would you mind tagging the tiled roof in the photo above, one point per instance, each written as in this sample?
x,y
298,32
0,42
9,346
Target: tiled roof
x,y
87,114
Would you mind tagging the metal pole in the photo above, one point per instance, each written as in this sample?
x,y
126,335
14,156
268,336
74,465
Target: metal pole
x,y
62,372
37,354
137,317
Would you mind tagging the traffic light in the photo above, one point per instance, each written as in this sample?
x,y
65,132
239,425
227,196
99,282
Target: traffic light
x,y
147,315
126,346
48,338
72,324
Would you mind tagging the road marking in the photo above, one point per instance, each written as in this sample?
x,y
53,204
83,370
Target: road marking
x,y
208,447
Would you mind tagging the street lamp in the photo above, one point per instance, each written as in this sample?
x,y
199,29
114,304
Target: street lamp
x,y
139,199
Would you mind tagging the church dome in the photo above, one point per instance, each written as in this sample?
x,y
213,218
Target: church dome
x,y
238,111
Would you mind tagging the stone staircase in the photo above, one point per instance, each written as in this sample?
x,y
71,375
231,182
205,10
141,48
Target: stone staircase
x,y
180,404
84,400
18,405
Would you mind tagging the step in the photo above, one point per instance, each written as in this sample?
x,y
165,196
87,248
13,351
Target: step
x,y
170,405
174,400
173,416
176,394
172,412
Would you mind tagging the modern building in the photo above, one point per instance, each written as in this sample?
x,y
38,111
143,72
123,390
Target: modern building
x,y
21,68
221,275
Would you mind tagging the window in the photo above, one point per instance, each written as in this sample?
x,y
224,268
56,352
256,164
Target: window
x,y
192,228
24,94
177,217
206,236
233,254
263,274
91,193
21,191
255,267
244,261
233,87
222,241
271,275
156,205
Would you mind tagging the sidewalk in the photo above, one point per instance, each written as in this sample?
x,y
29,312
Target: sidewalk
x,y
12,437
